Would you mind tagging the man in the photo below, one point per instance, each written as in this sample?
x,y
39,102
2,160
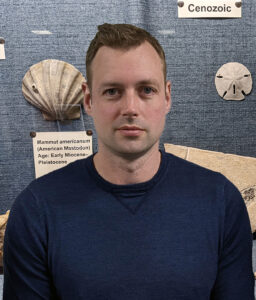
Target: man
x,y
129,222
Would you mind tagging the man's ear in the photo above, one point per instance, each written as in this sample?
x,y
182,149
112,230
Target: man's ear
x,y
168,96
87,98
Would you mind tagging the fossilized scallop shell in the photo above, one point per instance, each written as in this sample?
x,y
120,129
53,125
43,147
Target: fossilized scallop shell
x,y
55,87
233,80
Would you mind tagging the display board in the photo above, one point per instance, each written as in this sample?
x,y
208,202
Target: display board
x,y
195,50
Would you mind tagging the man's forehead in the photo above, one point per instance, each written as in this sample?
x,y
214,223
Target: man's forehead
x,y
140,63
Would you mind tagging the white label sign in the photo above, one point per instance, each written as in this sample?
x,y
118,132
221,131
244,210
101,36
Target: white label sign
x,y
53,150
2,52
209,9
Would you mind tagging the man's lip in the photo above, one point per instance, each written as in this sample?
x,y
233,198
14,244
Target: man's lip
x,y
129,128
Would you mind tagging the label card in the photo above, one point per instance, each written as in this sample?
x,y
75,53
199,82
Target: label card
x,y
2,52
53,150
209,9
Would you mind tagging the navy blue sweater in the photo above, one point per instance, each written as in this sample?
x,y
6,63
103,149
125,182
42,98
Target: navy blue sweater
x,y
183,235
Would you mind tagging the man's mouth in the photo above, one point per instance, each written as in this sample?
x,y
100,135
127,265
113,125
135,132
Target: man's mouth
x,y
130,130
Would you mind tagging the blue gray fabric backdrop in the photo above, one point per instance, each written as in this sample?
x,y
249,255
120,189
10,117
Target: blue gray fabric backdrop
x,y
195,49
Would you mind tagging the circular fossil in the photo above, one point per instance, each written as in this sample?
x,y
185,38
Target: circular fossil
x,y
233,81
55,87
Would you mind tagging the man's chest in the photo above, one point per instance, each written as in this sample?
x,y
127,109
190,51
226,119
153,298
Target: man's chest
x,y
153,254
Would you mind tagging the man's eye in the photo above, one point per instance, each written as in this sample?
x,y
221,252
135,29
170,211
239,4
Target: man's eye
x,y
111,92
147,90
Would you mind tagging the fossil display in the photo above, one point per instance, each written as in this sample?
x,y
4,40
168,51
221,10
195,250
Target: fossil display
x,y
55,87
240,170
3,222
233,81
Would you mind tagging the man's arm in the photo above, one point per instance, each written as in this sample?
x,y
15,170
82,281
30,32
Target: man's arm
x,y
235,280
26,274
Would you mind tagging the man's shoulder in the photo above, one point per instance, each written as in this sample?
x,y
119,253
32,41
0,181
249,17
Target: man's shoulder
x,y
190,174
69,175
182,165
56,188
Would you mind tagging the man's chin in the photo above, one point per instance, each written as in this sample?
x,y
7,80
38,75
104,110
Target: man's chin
x,y
133,153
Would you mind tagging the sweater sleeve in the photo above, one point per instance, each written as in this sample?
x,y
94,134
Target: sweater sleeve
x,y
235,280
26,274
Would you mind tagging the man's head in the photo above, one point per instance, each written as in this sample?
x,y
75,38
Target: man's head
x,y
120,36
127,94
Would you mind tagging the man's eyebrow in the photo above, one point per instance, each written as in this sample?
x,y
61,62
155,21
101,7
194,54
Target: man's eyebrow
x,y
115,84
148,82
110,84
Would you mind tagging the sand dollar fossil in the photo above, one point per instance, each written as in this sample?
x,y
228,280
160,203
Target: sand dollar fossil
x,y
233,81
55,87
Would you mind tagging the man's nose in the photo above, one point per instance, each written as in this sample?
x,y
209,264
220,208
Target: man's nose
x,y
130,104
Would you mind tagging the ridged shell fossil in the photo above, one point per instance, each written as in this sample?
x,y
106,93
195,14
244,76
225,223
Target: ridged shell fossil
x,y
233,81
55,87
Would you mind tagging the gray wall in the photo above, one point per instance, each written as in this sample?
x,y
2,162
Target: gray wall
x,y
195,49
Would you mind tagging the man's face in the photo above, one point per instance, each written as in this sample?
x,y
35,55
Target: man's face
x,y
128,99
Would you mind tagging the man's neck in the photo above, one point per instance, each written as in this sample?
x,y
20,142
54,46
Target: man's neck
x,y
119,170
